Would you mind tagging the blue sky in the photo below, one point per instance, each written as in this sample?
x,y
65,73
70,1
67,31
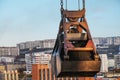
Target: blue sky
x,y
29,20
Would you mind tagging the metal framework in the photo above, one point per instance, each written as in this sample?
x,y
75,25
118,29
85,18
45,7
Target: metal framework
x,y
74,52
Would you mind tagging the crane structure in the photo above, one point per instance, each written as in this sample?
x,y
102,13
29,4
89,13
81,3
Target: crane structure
x,y
74,53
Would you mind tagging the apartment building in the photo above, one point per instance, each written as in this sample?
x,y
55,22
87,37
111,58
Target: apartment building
x,y
117,61
111,64
37,58
25,47
28,60
41,44
41,58
104,64
7,59
107,40
9,51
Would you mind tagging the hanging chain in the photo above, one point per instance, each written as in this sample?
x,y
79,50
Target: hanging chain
x,y
78,4
83,3
66,4
61,3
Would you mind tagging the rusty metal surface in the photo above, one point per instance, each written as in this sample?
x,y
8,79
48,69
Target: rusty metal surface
x,y
79,68
74,53
75,14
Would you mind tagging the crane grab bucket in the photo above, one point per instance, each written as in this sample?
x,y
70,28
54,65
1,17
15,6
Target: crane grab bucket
x,y
74,53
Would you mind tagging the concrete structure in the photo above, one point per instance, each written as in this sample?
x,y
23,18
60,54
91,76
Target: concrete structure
x,y
41,58
19,59
113,75
9,75
38,72
41,44
111,64
2,67
104,64
36,58
117,61
24,47
107,40
28,60
116,40
14,66
50,42
9,59
9,51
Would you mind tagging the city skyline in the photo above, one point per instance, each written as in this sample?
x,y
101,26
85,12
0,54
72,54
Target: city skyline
x,y
22,21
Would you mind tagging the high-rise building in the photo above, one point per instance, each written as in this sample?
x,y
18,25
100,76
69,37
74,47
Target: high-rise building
x,y
28,60
104,64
